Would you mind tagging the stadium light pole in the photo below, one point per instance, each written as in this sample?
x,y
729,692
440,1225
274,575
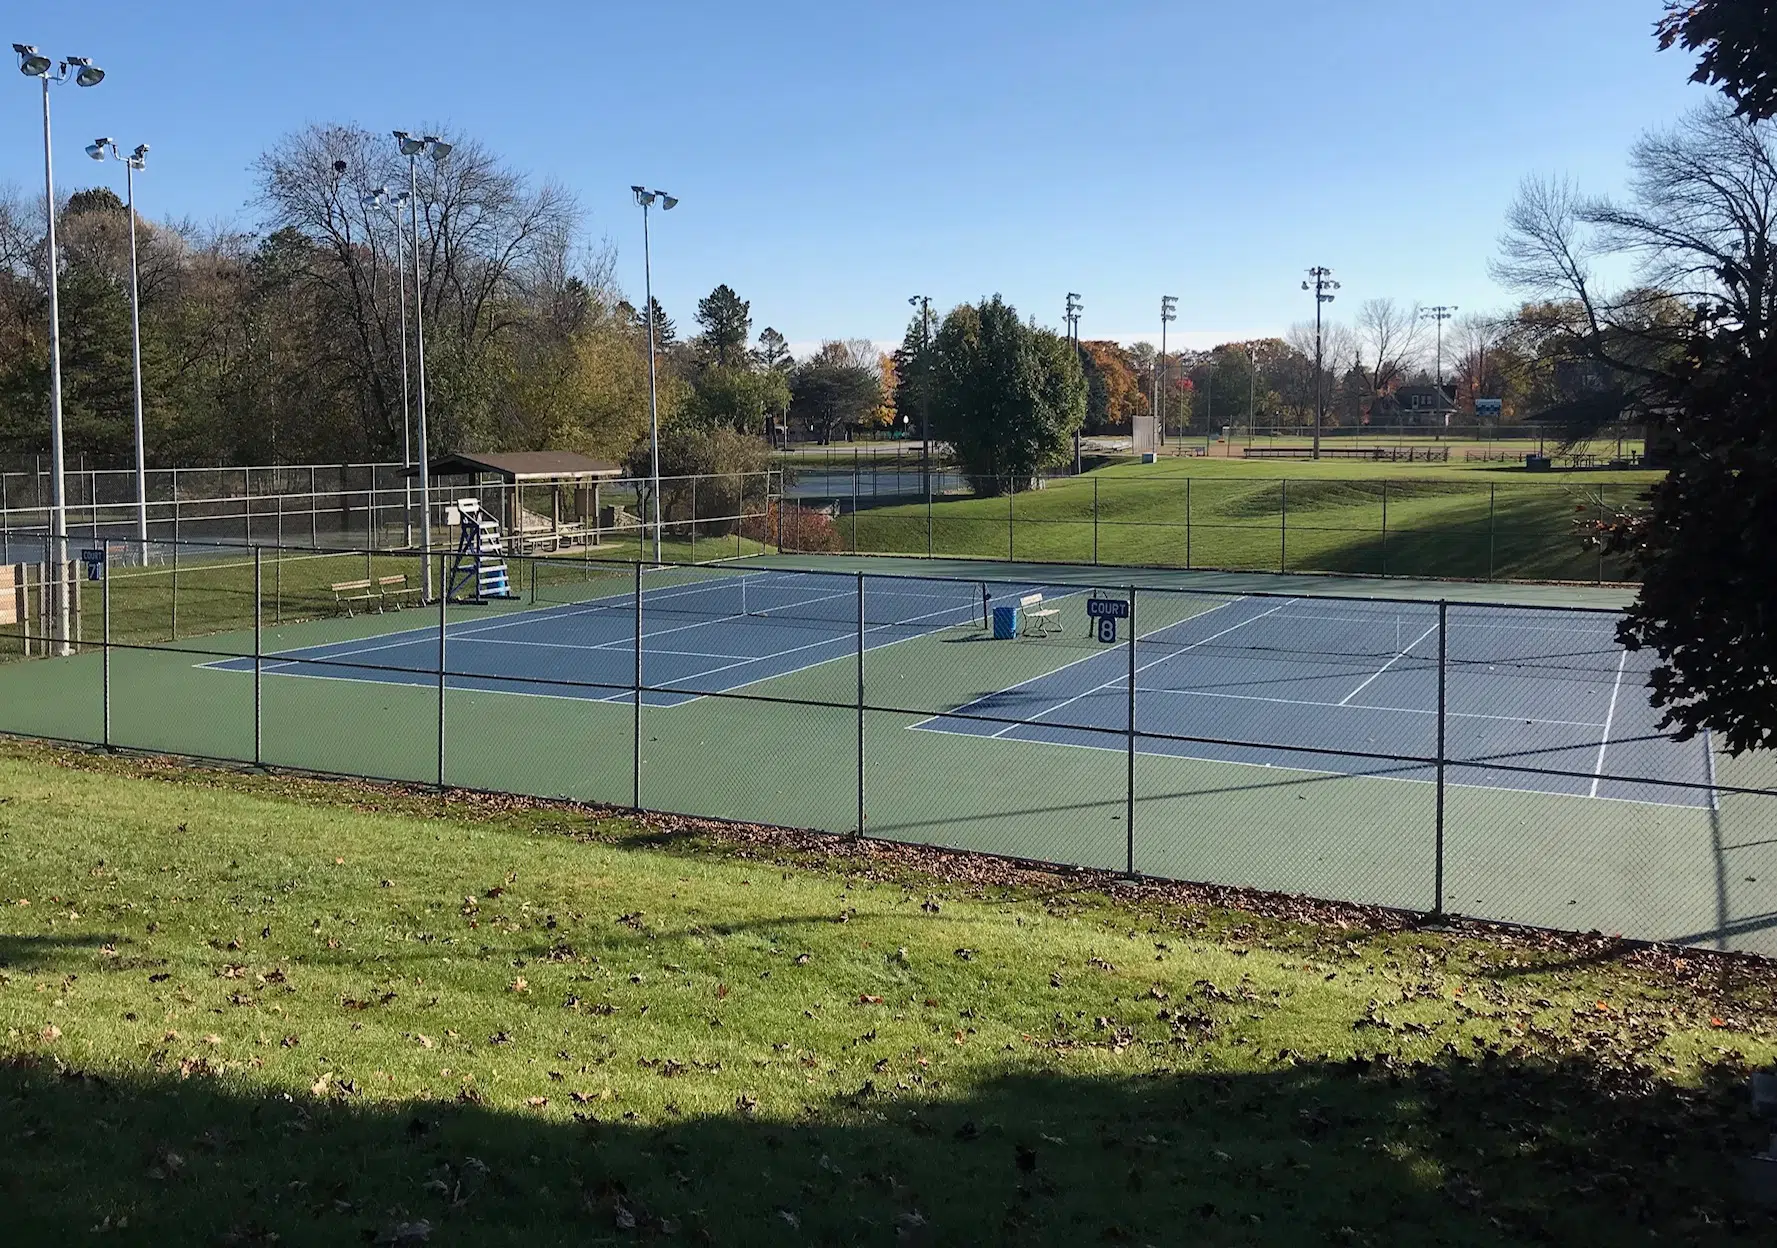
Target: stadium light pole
x,y
412,148
1167,315
33,64
1072,317
1252,388
646,199
98,149
1322,284
924,304
1440,313
375,199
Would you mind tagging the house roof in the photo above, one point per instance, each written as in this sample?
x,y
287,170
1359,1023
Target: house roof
x,y
515,467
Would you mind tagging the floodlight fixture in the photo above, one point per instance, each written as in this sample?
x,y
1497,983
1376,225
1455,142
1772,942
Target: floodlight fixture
x,y
32,63
667,202
96,149
139,157
440,149
410,146
87,74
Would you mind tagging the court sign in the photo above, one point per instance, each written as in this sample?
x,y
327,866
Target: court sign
x,y
94,559
1107,611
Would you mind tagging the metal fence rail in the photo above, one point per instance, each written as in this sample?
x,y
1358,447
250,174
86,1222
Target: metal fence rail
x,y
368,507
1384,527
1443,757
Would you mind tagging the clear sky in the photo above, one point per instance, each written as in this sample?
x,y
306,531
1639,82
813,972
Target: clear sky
x,y
834,159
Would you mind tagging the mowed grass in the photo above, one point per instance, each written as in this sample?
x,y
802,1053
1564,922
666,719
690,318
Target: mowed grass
x,y
247,1010
1462,521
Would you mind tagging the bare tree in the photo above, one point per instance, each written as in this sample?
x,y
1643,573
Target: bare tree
x,y
1392,338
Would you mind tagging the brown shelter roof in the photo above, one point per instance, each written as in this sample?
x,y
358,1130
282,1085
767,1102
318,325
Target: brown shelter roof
x,y
523,466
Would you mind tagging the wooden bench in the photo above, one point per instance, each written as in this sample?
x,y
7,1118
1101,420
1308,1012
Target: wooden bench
x,y
395,588
1039,621
345,593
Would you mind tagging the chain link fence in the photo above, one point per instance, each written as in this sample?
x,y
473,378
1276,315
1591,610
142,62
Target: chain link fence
x,y
1446,757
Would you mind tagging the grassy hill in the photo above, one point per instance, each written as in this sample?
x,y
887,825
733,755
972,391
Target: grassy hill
x,y
247,1010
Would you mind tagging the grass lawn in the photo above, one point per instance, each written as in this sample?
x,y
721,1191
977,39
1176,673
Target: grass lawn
x,y
1457,520
246,1009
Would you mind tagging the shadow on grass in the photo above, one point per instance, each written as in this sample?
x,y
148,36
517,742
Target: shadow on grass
x,y
1499,1150
35,953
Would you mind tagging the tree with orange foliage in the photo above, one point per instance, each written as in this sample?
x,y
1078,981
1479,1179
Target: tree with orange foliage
x,y
1114,392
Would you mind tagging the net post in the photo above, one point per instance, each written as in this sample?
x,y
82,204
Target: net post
x,y
636,701
1011,490
173,633
860,704
694,518
105,637
258,657
1443,670
1129,735
443,622
1599,540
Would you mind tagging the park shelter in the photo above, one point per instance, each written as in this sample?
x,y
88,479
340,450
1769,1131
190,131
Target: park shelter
x,y
545,500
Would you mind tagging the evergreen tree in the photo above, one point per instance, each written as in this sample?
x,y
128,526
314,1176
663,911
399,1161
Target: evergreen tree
x,y
773,352
726,321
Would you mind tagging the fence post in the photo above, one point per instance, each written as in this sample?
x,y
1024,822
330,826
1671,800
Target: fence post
x,y
105,637
1598,579
1188,524
860,704
636,749
928,476
694,519
1283,528
173,633
247,505
443,628
1011,523
314,510
1385,526
1129,804
277,584
1492,490
1443,668
854,502
1095,519
258,659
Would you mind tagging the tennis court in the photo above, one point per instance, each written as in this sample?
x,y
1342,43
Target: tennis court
x,y
1284,732
1324,685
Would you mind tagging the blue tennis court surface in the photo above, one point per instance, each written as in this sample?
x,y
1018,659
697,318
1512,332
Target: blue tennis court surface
x,y
1322,682
700,635
1524,689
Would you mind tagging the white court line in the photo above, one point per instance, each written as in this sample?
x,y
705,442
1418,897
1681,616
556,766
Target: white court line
x,y
472,633
1397,658
826,641
1170,654
1142,690
1309,771
988,697
576,645
1611,714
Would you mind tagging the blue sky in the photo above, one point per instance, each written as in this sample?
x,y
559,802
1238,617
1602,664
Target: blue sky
x,y
835,159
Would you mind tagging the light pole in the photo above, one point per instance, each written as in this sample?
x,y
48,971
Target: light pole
x,y
646,199
1252,388
98,149
924,304
1440,313
1072,316
1322,284
1167,315
375,199
438,150
33,64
